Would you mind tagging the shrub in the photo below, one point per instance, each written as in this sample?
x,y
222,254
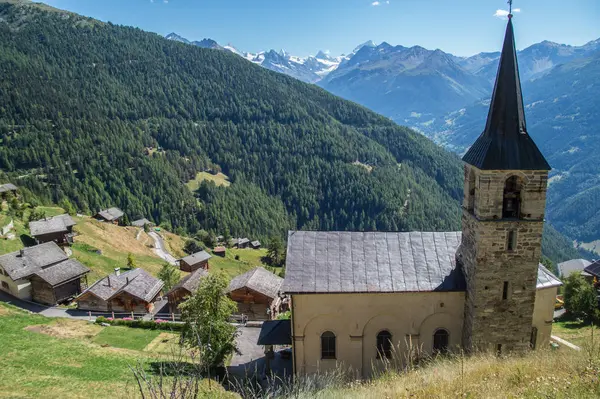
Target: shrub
x,y
158,324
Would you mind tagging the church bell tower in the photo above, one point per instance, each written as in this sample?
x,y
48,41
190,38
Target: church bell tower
x,y
503,217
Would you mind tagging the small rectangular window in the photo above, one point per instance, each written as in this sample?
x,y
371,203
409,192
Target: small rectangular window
x,y
511,241
505,291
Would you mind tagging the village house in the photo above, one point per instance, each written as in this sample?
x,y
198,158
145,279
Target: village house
x,y
196,261
131,291
57,228
7,188
219,251
255,244
185,288
360,298
142,222
111,215
257,294
240,243
42,273
565,269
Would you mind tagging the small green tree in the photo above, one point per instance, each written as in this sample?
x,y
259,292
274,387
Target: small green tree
x,y
67,206
206,315
131,261
276,252
192,246
170,275
580,297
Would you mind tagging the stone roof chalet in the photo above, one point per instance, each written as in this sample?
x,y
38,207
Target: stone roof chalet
x,y
55,224
137,283
356,262
196,258
259,280
47,261
110,214
574,265
191,282
141,222
7,187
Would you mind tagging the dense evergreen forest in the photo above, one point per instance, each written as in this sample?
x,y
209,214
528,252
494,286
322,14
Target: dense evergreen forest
x,y
81,101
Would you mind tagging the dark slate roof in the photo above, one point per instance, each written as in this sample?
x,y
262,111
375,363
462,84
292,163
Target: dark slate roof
x,y
196,258
136,282
255,243
7,187
573,265
505,143
594,269
55,224
356,262
275,332
24,263
243,241
62,272
111,214
546,279
325,262
141,222
191,282
259,280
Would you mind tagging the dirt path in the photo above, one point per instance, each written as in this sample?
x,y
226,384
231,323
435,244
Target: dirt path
x,y
160,249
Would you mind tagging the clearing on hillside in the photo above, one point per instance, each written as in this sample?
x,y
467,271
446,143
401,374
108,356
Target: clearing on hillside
x,y
219,179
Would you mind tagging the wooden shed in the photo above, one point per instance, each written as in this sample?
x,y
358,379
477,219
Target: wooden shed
x,y
196,261
111,215
186,287
59,282
256,294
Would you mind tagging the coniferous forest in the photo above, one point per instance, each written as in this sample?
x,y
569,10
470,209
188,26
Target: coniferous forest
x,y
81,101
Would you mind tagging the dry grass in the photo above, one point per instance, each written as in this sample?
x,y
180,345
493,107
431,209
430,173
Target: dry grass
x,y
174,243
66,328
541,374
106,236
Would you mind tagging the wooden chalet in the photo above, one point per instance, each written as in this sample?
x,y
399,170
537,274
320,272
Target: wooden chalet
x,y
219,251
132,291
42,273
256,294
186,287
57,228
111,215
196,261
255,244
7,188
241,243
142,222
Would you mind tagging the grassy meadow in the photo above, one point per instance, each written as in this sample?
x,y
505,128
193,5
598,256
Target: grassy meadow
x,y
219,179
60,358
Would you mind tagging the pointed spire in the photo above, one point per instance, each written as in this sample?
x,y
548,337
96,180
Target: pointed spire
x,y
505,143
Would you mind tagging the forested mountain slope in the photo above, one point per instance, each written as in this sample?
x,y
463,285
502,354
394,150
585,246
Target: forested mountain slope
x,y
104,115
81,100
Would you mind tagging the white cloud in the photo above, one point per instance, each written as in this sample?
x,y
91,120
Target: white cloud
x,y
503,14
375,3
378,3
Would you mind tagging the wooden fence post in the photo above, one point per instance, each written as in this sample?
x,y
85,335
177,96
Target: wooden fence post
x,y
173,316
90,315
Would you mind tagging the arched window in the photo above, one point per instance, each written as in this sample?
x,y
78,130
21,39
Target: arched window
x,y
511,205
328,345
440,341
384,344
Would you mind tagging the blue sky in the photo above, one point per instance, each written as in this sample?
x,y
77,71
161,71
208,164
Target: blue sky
x,y
303,27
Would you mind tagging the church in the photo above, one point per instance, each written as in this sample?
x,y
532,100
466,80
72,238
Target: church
x,y
361,299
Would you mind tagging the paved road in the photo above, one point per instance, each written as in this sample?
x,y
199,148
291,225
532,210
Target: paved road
x,y
160,249
44,310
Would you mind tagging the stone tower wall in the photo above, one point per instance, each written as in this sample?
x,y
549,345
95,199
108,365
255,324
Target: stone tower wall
x,y
488,263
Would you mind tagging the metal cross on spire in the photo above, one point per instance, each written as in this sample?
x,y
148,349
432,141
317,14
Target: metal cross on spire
x,y
510,7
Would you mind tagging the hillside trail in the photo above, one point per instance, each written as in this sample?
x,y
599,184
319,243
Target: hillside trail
x,y
160,249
